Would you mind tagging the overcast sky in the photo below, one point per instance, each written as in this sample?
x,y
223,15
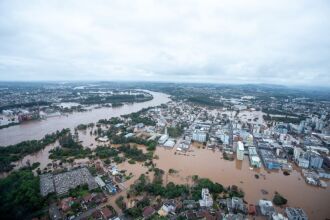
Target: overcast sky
x,y
280,41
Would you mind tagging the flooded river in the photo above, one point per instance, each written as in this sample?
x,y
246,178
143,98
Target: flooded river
x,y
202,162
38,129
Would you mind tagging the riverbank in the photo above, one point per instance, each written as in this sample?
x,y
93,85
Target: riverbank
x,y
37,129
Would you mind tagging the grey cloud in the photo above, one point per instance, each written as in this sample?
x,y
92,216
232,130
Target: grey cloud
x,y
203,41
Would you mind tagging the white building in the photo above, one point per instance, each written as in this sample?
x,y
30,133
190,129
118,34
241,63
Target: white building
x,y
163,139
199,136
206,200
240,151
266,207
254,158
99,181
169,143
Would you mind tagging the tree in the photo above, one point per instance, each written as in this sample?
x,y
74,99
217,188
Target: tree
x,y
279,199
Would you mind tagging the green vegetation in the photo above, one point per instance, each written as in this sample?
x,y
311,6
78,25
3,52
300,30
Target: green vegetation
x,y
134,153
21,105
279,199
285,119
172,171
111,121
137,118
9,125
120,202
137,210
96,99
175,131
82,127
16,152
105,152
70,148
201,183
79,191
19,195
118,159
234,191
35,165
205,100
156,188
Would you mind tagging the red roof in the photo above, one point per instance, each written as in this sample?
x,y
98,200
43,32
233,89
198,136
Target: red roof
x,y
106,212
148,211
252,209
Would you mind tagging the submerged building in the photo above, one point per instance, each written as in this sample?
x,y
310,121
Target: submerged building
x,y
240,151
255,160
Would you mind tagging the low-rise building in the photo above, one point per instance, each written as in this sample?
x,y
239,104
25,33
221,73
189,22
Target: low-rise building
x,y
240,151
266,207
206,200
199,136
254,158
295,214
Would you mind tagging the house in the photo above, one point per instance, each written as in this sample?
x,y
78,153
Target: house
x,y
106,213
236,204
278,216
87,198
148,212
252,209
231,216
296,214
66,204
190,215
206,200
167,207
54,212
266,207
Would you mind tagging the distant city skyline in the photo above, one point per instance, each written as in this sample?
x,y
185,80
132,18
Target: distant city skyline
x,y
226,42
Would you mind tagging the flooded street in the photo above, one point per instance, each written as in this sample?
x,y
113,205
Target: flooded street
x,y
209,164
38,129
202,162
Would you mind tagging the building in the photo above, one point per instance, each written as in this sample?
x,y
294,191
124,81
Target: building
x,y
169,143
302,162
206,200
278,216
254,158
296,214
148,212
240,151
163,139
54,212
99,181
62,182
315,160
269,159
167,207
199,136
106,213
266,207
236,204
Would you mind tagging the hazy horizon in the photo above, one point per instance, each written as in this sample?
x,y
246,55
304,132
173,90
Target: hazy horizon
x,y
221,42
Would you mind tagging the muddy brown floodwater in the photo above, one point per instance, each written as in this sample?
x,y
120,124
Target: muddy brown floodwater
x,y
202,162
209,164
38,129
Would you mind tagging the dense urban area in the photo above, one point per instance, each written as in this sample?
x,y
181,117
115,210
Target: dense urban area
x,y
204,151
